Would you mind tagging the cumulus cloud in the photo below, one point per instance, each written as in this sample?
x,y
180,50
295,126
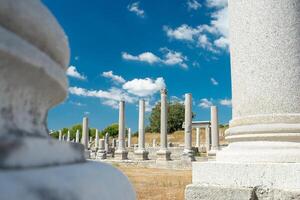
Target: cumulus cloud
x,y
225,102
115,78
147,57
144,87
193,5
205,103
170,58
213,36
130,91
214,81
183,32
72,72
135,8
174,58
110,97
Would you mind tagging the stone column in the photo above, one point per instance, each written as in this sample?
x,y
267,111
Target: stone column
x,y
141,152
85,136
77,138
68,136
198,137
188,153
34,55
106,143
60,135
154,143
96,139
129,137
214,131
163,153
101,153
262,160
207,138
121,153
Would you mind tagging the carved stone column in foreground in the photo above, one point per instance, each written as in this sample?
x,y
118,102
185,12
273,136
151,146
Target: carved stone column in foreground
x,y
188,153
141,152
85,137
262,160
163,153
34,54
121,152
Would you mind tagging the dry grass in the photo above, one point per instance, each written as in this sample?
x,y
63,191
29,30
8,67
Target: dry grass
x,y
158,184
178,137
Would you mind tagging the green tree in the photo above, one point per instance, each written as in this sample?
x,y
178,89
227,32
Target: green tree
x,y
112,130
175,117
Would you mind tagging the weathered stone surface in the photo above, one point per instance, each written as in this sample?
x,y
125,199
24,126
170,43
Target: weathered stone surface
x,y
89,180
210,192
33,57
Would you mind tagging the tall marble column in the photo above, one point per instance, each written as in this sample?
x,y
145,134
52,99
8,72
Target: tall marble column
x,y
188,153
163,153
214,124
121,153
96,139
106,143
60,135
207,138
77,138
197,137
68,136
129,137
85,132
262,160
34,55
141,152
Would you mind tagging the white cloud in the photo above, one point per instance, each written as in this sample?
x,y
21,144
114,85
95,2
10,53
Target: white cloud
x,y
72,72
135,8
110,97
226,102
217,3
205,103
174,58
143,57
176,99
170,57
213,36
144,87
193,5
114,78
183,32
214,81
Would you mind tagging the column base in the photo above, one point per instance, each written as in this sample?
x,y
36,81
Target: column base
x,y
87,154
141,155
188,155
212,152
101,154
254,181
163,154
121,155
206,192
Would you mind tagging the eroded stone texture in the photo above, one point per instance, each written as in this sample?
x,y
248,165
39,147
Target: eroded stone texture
x,y
34,54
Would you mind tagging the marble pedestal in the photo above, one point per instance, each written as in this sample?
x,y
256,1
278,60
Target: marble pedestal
x,y
121,155
163,155
188,155
101,154
254,181
141,155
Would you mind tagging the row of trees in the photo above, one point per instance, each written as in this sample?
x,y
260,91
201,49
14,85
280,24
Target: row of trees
x,y
175,121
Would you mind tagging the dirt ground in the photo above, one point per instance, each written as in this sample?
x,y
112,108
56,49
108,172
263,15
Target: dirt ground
x,y
158,184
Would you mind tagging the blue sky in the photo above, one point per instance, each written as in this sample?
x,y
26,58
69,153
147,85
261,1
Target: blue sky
x,y
131,49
